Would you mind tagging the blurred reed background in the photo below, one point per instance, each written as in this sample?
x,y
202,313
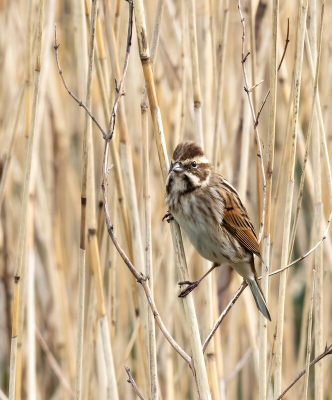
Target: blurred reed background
x,y
42,147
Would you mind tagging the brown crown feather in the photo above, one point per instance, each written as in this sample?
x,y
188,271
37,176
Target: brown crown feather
x,y
186,150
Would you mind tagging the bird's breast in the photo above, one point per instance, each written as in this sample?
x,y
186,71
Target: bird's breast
x,y
203,225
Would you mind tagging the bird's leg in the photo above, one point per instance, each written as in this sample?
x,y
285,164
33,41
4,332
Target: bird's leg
x,y
168,216
191,285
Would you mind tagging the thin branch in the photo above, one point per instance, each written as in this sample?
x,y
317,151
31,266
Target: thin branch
x,y
133,383
308,253
105,170
326,352
281,61
253,87
240,364
248,91
139,277
223,314
79,102
286,45
119,91
244,285
54,364
262,106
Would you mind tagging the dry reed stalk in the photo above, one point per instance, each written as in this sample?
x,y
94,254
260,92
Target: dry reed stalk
x,y
23,219
139,276
202,141
320,121
252,28
308,138
80,37
112,392
115,154
290,188
101,368
9,152
30,304
306,380
84,191
54,364
267,225
304,323
28,78
220,78
199,366
318,205
147,208
197,96
130,195
90,333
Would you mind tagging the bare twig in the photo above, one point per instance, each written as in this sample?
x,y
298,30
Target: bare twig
x,y
54,364
133,383
79,102
308,253
139,277
326,352
253,87
281,61
259,146
241,363
119,91
307,363
244,285
286,45
224,313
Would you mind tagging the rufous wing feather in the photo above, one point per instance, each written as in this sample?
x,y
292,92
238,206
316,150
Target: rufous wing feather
x,y
237,222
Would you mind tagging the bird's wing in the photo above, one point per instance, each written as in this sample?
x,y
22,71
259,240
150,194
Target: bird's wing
x,y
236,219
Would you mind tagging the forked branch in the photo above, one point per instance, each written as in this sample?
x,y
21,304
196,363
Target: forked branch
x,y
108,137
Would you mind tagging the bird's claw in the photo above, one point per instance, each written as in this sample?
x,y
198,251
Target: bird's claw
x,y
191,286
168,216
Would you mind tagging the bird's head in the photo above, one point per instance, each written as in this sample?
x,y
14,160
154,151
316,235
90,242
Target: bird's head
x,y
189,169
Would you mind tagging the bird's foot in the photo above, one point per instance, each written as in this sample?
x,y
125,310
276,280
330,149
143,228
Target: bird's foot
x,y
191,286
168,216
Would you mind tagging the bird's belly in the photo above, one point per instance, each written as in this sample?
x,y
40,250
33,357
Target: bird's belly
x,y
209,243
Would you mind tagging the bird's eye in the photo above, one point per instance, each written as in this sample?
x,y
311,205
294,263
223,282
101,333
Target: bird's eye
x,y
194,164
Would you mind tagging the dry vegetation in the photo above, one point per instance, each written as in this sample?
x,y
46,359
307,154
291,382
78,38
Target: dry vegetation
x,y
72,313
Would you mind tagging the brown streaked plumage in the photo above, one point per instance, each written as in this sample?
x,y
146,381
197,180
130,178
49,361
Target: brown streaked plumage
x,y
211,213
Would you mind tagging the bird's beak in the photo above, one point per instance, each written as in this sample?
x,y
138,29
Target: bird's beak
x,y
177,167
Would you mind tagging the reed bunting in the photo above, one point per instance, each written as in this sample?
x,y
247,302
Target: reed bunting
x,y
211,213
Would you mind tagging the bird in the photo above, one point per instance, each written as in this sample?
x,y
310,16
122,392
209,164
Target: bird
x,y
210,212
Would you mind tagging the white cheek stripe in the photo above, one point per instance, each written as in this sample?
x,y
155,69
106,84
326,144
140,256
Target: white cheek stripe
x,y
194,179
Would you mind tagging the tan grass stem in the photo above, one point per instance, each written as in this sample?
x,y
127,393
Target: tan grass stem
x,y
201,376
306,380
147,207
267,225
23,218
290,189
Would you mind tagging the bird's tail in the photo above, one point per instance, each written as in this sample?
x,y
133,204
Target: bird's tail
x,y
260,301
